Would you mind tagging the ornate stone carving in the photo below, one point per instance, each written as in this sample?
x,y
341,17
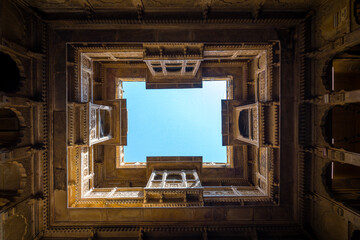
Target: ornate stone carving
x,y
92,125
85,78
262,86
263,159
256,124
13,179
167,188
166,193
246,123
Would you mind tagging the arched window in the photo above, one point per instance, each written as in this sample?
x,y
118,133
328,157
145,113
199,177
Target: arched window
x,y
104,123
355,235
11,78
10,129
15,227
12,180
244,123
341,127
343,183
343,72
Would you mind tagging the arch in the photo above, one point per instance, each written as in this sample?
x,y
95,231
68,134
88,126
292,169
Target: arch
x,y
326,178
15,227
342,182
12,125
327,75
13,180
104,123
16,31
326,126
355,235
341,127
342,72
13,75
244,123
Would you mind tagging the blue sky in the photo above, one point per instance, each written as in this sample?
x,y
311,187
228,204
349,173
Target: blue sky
x,y
174,122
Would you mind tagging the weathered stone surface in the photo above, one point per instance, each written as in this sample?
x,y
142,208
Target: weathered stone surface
x,y
70,181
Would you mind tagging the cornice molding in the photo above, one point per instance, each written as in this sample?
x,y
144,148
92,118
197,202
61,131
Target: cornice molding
x,y
197,23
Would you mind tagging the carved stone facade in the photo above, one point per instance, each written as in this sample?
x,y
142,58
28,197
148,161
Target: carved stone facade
x,y
81,158
173,188
290,120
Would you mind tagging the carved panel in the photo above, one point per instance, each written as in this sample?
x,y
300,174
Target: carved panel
x,y
85,63
255,127
96,194
263,158
85,78
84,161
92,125
71,124
250,193
221,193
233,192
128,194
262,86
246,118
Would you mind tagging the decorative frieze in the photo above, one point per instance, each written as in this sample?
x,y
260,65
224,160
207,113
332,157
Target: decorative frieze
x,y
232,192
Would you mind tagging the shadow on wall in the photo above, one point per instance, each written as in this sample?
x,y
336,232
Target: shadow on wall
x,y
11,79
11,129
343,72
12,181
341,127
343,184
